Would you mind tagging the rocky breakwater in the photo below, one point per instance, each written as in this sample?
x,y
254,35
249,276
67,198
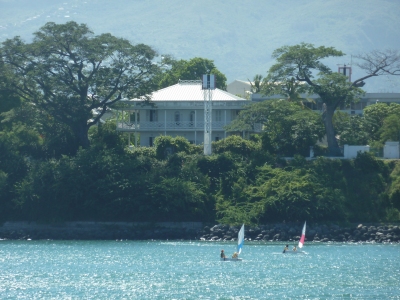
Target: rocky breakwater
x,y
100,231
315,233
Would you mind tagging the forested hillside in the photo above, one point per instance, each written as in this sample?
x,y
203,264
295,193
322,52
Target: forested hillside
x,y
240,182
59,161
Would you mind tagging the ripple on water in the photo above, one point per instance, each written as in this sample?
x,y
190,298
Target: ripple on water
x,y
192,270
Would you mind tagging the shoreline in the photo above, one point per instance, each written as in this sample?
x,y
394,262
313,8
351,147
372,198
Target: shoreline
x,y
277,232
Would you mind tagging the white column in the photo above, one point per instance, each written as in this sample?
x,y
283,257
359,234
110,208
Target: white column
x,y
136,117
129,134
195,126
225,125
207,121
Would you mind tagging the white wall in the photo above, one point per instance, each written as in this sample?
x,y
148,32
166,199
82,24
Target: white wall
x,y
391,150
238,87
352,151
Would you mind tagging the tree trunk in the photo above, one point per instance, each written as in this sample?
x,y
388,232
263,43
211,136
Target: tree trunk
x,y
333,146
81,134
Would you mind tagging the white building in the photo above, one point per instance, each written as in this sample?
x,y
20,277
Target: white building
x,y
178,110
240,88
353,109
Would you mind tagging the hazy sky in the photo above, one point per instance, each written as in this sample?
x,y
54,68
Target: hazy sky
x,y
239,36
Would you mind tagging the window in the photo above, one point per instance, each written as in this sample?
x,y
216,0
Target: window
x,y
177,118
153,116
132,117
151,141
216,138
235,114
191,118
218,115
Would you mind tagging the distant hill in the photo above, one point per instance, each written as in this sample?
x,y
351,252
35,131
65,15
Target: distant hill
x,y
239,36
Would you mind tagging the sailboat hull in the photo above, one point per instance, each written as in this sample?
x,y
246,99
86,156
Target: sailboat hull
x,y
231,259
239,247
293,252
301,243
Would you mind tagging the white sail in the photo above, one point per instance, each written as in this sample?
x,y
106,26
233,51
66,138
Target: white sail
x,y
240,239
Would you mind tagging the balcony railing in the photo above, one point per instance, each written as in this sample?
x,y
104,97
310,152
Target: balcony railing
x,y
179,125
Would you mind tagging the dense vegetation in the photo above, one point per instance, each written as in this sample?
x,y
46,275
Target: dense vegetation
x,y
240,182
48,175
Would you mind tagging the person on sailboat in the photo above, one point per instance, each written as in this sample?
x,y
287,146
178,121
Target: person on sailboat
x,y
286,248
235,255
294,248
223,254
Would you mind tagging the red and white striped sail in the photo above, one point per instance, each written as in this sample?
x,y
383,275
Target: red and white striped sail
x,y
303,236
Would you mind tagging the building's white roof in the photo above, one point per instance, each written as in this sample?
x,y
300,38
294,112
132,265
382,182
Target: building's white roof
x,y
241,81
190,90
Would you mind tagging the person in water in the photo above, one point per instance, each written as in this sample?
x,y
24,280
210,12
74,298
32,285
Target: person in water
x,y
286,248
294,248
223,254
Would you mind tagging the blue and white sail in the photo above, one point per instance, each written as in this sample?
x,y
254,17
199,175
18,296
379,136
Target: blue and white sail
x,y
240,240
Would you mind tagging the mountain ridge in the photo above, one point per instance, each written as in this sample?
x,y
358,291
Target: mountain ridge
x,y
239,36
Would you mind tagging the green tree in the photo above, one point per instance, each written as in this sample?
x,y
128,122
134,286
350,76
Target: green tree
x,y
367,179
303,63
104,136
256,83
287,128
192,69
277,195
290,88
351,129
394,188
235,144
8,97
69,72
390,130
166,145
39,134
375,116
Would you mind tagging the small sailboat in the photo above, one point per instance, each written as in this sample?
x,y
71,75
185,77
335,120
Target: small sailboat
x,y
303,236
301,243
235,256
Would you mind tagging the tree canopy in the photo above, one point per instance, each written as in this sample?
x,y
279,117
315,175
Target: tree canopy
x,y
192,69
375,116
287,128
350,129
304,63
68,72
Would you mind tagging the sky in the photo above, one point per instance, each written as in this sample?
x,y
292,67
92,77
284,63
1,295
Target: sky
x,y
238,35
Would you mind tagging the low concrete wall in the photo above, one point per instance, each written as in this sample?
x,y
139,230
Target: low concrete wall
x,y
352,151
391,150
100,230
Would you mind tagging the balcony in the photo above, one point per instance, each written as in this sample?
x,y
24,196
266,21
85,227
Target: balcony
x,y
167,126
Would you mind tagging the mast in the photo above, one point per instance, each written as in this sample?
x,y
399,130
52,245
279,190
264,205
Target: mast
x,y
208,86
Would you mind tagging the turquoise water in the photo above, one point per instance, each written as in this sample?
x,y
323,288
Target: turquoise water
x,y
192,270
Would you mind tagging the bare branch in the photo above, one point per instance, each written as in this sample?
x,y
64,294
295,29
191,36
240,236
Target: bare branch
x,y
378,63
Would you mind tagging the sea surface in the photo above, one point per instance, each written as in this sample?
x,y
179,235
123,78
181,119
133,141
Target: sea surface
x,y
193,270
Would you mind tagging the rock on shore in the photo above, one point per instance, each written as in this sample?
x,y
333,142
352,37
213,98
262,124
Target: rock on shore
x,y
314,233
100,231
197,231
